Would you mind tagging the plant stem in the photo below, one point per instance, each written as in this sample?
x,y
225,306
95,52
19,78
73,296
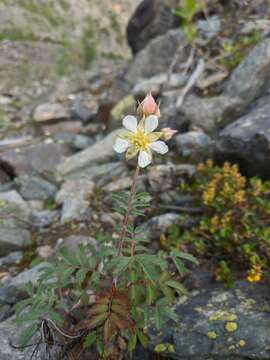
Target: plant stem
x,y
129,208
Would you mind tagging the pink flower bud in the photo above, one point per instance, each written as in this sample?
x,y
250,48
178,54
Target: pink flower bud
x,y
168,133
148,107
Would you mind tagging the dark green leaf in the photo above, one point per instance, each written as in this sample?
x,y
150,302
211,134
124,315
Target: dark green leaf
x,y
27,334
90,339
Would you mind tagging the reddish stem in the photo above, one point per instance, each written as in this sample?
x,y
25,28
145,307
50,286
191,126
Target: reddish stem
x,y
127,214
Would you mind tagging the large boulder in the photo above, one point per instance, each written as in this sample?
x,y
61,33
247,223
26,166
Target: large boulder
x,y
219,324
150,19
247,141
252,77
156,57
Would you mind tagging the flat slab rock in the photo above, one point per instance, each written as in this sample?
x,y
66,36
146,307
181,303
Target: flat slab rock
x,y
219,324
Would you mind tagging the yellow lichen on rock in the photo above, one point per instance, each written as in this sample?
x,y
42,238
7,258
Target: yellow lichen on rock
x,y
231,326
212,335
222,315
164,347
242,343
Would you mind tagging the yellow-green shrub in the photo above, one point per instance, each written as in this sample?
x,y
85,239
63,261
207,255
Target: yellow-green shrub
x,y
233,231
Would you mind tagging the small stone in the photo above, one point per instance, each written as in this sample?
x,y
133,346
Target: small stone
x,y
74,196
44,252
192,142
50,111
35,188
44,218
120,184
13,258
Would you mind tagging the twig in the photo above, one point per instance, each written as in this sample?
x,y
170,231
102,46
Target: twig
x,y
190,61
61,332
191,82
182,209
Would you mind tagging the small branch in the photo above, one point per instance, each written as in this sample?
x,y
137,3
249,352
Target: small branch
x,y
61,332
191,82
182,209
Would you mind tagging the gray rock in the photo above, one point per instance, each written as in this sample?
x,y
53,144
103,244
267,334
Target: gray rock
x,y
151,18
209,28
13,289
193,143
157,82
99,152
50,111
9,334
5,312
13,240
12,258
166,177
247,140
219,324
33,187
35,158
101,174
249,80
158,225
13,206
156,57
120,184
207,113
74,196
73,241
14,213
81,142
44,218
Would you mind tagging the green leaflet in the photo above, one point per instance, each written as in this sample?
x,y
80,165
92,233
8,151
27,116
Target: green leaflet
x,y
27,334
90,339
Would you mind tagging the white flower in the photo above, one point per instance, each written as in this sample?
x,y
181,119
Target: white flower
x,y
141,139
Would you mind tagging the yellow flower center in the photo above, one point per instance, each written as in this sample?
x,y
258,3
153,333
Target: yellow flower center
x,y
140,140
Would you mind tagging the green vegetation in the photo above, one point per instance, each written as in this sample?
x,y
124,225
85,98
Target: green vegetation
x,y
119,286
186,11
233,230
44,9
234,51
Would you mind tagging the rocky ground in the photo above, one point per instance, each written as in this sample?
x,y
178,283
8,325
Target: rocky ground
x,y
57,166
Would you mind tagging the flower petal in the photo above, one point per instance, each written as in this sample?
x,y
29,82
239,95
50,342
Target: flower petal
x,y
154,136
159,146
144,159
130,123
120,145
132,151
126,135
151,123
